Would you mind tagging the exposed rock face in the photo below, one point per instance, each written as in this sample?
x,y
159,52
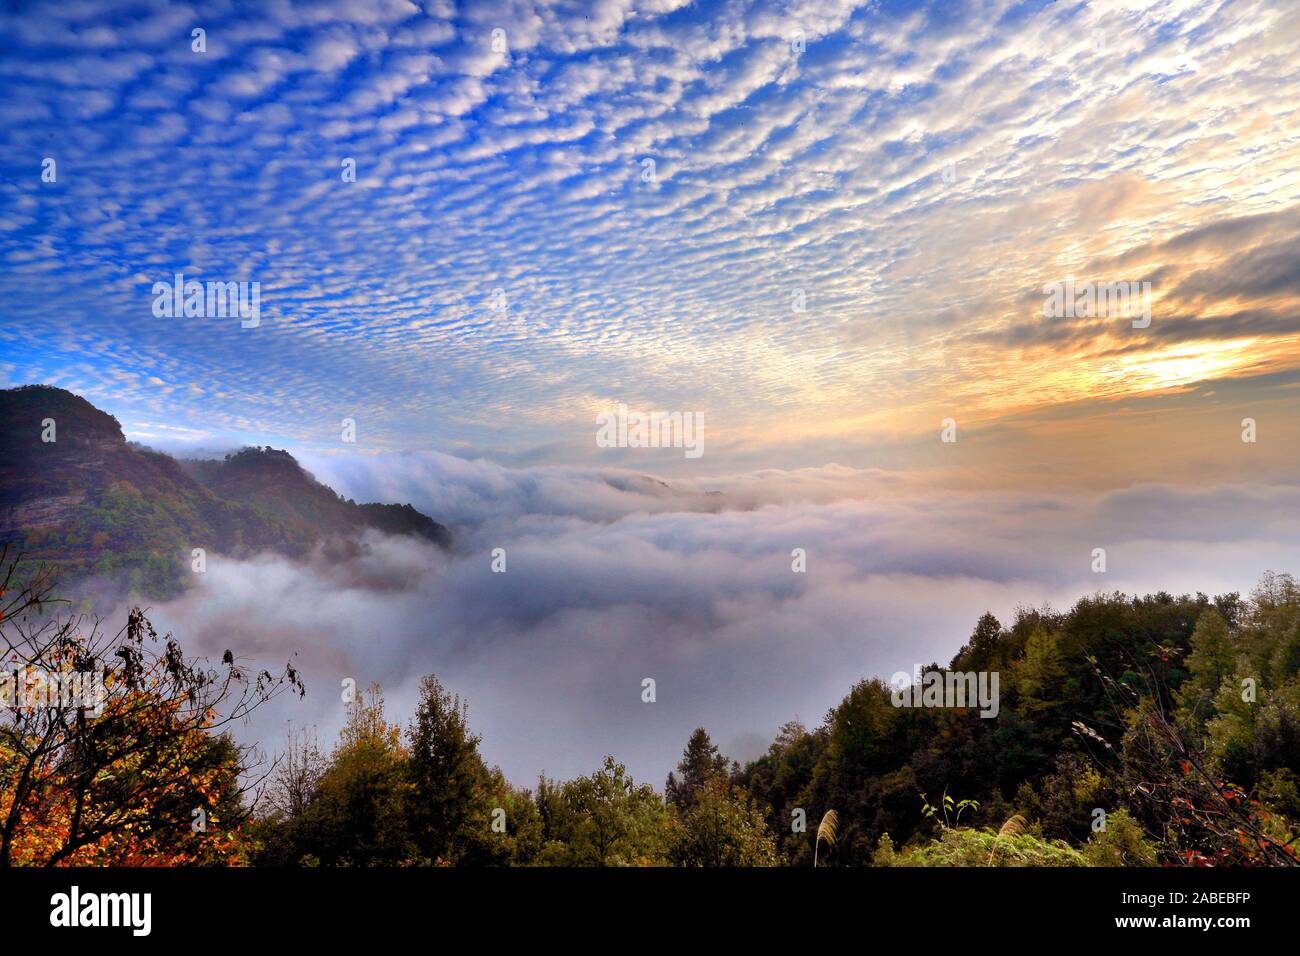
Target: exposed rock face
x,y
39,513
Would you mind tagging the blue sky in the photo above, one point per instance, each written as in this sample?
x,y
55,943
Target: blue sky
x,y
797,146
914,173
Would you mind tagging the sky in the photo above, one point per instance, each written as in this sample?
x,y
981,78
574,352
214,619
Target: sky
x,y
827,227
796,146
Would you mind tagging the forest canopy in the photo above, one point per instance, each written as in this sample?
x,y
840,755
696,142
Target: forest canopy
x,y
1130,731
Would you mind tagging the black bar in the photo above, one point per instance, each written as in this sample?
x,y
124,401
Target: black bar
x,y
243,907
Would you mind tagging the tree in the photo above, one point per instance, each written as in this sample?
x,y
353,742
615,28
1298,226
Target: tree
x,y
605,819
120,760
701,762
1039,674
520,840
1203,819
1210,661
721,827
1063,801
297,776
451,811
981,651
357,813
777,780
861,769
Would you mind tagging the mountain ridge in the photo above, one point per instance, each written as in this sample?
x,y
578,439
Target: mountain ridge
x,y
75,493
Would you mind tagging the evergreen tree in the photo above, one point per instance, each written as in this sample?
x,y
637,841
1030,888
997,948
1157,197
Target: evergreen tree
x,y
981,651
450,814
701,762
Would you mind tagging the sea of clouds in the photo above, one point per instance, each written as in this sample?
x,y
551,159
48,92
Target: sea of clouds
x,y
613,576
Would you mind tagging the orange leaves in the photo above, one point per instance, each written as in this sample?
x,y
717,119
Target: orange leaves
x,y
136,808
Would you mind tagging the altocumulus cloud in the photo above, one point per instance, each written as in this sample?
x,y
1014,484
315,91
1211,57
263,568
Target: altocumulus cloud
x,y
798,144
613,577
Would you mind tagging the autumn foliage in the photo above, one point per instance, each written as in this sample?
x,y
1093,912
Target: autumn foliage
x,y
141,775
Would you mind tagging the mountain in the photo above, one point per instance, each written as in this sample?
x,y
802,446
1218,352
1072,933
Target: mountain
x,y
94,504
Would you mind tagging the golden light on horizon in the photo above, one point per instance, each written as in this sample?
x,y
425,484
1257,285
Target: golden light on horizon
x,y
1185,364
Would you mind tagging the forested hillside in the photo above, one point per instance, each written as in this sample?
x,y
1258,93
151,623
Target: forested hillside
x,y
1131,731
75,493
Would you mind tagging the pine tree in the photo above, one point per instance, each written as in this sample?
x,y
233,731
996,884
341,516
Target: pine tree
x,y
981,651
450,815
701,762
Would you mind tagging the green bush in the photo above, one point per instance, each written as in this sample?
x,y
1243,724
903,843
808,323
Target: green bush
x,y
979,847
1122,843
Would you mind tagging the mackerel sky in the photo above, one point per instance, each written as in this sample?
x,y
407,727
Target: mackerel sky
x,y
917,172
655,188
